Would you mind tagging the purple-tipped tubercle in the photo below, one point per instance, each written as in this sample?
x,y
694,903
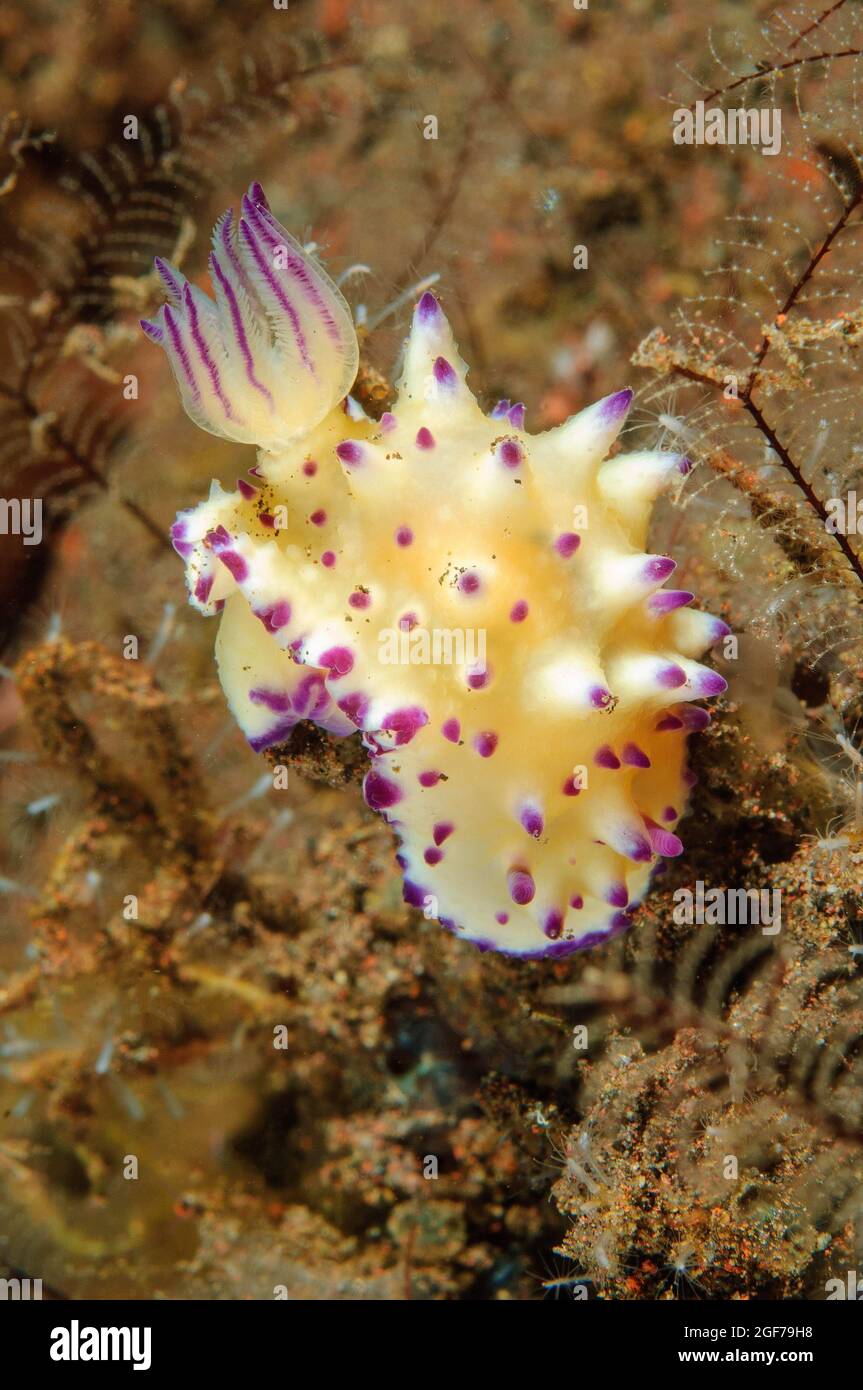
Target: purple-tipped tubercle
x,y
428,310
671,677
349,452
657,569
616,407
521,887
532,821
667,600
634,756
606,757
444,374
711,683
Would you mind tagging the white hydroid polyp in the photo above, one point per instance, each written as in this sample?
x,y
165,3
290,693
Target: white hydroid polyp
x,y
528,744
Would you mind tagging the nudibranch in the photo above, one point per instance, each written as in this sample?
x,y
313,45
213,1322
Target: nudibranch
x,y
475,599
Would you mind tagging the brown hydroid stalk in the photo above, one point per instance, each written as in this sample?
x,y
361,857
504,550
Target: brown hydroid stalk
x,y
800,284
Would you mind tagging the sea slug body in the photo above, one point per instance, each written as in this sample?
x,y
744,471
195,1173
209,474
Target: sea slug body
x,y
475,599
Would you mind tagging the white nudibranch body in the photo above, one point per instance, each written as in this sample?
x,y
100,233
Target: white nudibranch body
x,y
475,599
